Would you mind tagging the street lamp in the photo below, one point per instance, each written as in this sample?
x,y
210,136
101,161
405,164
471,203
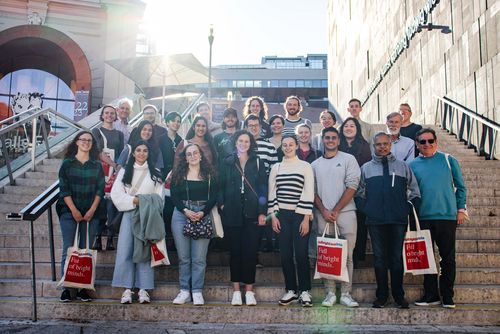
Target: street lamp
x,y
210,42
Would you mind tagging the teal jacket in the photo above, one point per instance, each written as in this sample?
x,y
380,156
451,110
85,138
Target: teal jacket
x,y
148,226
441,186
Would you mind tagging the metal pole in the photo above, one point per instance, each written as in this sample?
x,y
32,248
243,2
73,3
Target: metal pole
x,y
163,99
210,42
7,160
51,243
33,143
46,137
33,275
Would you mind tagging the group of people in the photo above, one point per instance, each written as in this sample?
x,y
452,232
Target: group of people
x,y
265,176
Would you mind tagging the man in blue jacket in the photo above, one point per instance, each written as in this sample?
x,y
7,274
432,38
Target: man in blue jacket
x,y
386,186
443,208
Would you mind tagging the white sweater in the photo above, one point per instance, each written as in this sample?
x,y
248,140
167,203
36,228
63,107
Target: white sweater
x,y
120,195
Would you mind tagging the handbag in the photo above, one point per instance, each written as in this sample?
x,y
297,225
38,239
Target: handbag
x,y
331,262
201,229
79,268
216,219
159,253
108,185
418,252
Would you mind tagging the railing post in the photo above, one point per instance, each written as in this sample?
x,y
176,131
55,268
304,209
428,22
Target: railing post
x,y
492,153
7,161
45,137
33,144
51,243
33,272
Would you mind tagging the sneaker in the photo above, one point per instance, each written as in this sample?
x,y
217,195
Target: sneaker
x,y
250,298
402,303
305,299
329,300
288,297
448,302
144,296
126,297
83,296
347,300
65,296
198,299
237,299
379,303
183,297
428,301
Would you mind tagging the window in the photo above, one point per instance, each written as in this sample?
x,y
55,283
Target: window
x,y
300,83
291,83
316,83
308,83
274,83
283,83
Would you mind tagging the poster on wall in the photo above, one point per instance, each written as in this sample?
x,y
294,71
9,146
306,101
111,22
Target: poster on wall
x,y
81,104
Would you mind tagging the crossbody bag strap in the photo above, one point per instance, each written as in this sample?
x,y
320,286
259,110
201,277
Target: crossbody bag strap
x,y
245,178
136,187
104,139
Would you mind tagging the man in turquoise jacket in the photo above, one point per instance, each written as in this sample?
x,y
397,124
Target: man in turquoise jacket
x,y
442,208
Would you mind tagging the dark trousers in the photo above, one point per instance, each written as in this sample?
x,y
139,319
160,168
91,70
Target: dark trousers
x,y
387,244
243,245
443,233
111,212
359,253
290,241
168,210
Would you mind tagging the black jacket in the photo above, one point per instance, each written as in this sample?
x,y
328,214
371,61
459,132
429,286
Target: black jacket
x,y
230,195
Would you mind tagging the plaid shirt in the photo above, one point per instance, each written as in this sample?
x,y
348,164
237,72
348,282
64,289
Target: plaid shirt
x,y
82,182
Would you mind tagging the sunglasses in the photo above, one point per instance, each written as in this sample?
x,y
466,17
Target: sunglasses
x,y
424,141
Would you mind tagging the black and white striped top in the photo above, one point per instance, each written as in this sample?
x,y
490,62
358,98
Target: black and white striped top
x,y
291,187
267,153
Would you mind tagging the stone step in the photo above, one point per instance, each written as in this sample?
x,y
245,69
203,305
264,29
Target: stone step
x,y
263,313
484,210
50,175
222,292
51,168
34,182
18,189
53,161
18,198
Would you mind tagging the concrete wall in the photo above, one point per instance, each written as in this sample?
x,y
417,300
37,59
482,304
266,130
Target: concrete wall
x,y
463,65
103,29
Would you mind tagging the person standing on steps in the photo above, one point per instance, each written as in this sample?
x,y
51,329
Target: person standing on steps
x,y
354,108
336,176
386,186
243,200
408,128
203,109
328,120
121,124
223,141
291,196
255,105
293,108
81,190
443,209
401,147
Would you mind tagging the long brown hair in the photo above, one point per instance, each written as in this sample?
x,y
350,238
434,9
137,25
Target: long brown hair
x,y
181,171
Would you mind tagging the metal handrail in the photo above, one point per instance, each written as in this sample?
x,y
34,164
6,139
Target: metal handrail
x,y
477,131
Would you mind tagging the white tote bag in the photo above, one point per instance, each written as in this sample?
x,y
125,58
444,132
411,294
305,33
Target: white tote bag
x,y
331,262
418,253
159,255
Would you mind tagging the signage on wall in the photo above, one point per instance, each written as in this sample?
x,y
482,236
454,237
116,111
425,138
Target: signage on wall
x,y
81,104
403,43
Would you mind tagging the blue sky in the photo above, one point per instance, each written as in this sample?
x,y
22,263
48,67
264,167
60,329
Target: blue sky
x,y
244,30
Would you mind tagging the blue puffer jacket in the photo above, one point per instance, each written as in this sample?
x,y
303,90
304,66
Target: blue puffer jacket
x,y
385,187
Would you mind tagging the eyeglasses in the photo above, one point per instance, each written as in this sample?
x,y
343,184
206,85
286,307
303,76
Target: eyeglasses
x,y
85,140
330,137
424,141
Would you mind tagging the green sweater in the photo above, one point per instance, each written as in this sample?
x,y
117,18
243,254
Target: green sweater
x,y
441,197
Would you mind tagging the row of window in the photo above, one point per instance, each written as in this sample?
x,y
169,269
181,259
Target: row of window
x,y
267,84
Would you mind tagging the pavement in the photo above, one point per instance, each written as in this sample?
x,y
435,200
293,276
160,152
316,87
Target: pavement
x,y
136,327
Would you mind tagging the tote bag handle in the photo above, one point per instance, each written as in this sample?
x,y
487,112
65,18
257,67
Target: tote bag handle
x,y
327,229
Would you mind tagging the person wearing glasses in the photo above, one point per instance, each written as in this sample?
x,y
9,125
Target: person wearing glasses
x,y
81,190
443,208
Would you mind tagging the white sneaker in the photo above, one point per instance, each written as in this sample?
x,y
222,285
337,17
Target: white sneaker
x,y
183,297
236,299
305,299
288,297
144,296
347,300
250,298
330,299
126,297
198,299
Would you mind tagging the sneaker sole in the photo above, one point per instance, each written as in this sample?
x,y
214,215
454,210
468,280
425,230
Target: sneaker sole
x,y
144,301
85,300
127,302
449,306
350,306
307,305
64,300
327,305
427,303
283,303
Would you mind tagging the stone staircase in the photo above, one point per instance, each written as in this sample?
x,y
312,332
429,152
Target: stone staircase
x,y
477,286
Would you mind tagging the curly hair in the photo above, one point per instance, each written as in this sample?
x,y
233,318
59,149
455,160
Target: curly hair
x,y
72,148
182,169
129,167
263,107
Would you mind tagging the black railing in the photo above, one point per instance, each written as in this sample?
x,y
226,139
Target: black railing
x,y
475,130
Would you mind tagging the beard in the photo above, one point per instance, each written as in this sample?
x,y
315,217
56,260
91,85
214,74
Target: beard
x,y
393,132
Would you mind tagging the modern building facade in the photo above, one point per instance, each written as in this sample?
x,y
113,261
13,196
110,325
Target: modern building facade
x,y
58,49
378,54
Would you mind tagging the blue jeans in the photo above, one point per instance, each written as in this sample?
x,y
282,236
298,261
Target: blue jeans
x,y
68,230
128,274
192,254
387,245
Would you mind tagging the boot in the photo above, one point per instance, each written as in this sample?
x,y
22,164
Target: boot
x,y
109,244
97,245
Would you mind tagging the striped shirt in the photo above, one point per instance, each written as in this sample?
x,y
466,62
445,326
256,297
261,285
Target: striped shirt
x,y
267,153
289,128
291,187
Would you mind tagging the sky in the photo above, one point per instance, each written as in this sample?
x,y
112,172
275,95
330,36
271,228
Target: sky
x,y
244,30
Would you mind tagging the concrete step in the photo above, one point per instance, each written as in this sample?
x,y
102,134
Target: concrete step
x,y
222,292
18,198
34,182
51,175
484,210
263,313
18,189
51,168
53,161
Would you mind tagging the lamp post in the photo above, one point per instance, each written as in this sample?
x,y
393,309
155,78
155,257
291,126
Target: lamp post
x,y
210,42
